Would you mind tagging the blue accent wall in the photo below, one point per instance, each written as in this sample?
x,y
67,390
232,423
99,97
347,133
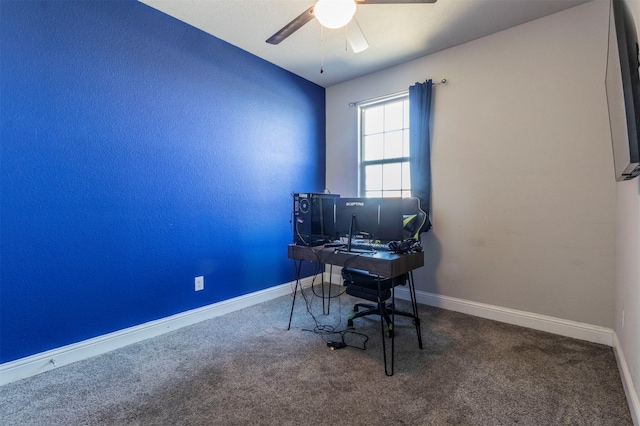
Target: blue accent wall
x,y
137,153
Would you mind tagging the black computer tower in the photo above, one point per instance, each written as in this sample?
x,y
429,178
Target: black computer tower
x,y
313,218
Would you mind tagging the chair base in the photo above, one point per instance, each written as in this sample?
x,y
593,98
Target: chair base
x,y
385,311
377,289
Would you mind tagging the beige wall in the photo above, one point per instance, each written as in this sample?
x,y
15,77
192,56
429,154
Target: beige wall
x,y
524,195
628,262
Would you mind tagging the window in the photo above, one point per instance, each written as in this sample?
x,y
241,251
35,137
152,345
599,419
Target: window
x,y
384,148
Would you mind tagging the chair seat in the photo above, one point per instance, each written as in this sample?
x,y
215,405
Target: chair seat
x,y
363,285
362,278
367,293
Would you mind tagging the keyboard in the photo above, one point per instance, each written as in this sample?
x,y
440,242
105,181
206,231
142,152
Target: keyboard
x,y
364,246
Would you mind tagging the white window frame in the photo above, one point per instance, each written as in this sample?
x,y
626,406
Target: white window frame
x,y
362,106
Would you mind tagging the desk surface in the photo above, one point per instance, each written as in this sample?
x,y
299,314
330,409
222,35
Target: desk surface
x,y
382,263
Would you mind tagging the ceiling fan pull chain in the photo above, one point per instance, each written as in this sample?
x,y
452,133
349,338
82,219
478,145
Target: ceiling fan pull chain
x,y
346,38
321,49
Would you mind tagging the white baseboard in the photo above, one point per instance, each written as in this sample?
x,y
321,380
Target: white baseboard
x,y
627,381
554,325
45,361
334,278
577,330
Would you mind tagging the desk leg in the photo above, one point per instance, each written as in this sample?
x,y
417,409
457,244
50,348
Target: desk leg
x,y
328,300
322,276
393,331
414,306
387,371
298,266
325,311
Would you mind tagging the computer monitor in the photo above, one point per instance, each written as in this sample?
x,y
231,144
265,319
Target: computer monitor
x,y
371,219
391,225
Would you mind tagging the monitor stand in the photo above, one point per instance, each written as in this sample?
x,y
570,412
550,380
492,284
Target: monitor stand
x,y
350,237
349,249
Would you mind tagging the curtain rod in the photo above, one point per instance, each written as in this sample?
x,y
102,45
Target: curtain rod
x,y
443,81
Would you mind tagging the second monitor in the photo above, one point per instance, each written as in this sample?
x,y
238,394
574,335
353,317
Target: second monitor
x,y
372,219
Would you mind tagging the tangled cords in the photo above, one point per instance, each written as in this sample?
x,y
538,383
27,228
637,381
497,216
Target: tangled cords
x,y
410,245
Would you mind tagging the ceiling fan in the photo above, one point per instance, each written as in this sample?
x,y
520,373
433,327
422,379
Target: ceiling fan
x,y
335,14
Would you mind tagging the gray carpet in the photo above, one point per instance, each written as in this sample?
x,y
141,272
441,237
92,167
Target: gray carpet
x,y
246,368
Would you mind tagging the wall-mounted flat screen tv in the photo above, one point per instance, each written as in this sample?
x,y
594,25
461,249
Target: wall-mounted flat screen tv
x,y
622,84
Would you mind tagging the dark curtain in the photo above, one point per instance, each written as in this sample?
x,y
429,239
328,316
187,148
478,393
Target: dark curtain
x,y
420,145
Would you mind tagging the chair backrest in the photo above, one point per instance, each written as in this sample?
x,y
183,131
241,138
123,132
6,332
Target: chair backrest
x,y
414,217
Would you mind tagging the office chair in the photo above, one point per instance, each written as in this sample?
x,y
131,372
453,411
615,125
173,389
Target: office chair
x,y
414,218
379,290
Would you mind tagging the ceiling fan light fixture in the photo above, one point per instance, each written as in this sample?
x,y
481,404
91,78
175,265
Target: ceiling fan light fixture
x,y
334,13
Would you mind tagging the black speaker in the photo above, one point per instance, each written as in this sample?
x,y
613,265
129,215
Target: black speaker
x,y
313,218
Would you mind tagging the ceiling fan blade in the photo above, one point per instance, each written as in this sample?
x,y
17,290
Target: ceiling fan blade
x,y
393,1
356,37
292,26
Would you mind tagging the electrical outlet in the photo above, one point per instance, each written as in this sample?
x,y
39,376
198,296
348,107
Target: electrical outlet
x,y
199,283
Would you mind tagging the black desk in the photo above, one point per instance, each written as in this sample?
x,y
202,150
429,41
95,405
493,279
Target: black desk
x,y
383,264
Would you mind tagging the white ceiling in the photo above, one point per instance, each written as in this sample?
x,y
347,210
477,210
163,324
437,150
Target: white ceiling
x,y
395,33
